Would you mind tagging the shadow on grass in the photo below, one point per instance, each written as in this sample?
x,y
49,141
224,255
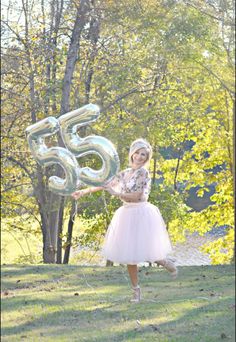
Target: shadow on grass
x,y
204,323
102,313
64,318
17,270
26,277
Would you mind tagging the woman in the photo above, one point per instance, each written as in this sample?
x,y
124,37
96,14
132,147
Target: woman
x,y
137,232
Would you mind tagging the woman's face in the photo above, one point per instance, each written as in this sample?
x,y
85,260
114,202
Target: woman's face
x,y
139,157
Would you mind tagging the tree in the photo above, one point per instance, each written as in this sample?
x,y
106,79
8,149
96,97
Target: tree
x,y
161,70
38,58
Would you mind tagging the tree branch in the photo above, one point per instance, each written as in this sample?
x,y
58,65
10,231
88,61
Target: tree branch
x,y
17,162
15,186
216,76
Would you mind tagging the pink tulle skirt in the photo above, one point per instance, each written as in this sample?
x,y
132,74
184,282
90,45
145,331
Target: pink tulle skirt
x,y
137,233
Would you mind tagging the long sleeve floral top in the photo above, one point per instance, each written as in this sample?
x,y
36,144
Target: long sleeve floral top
x,y
130,181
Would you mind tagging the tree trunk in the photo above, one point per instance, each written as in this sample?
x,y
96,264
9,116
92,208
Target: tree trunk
x,y
71,60
80,21
41,195
52,224
234,183
177,170
60,231
48,255
69,232
94,33
48,252
109,263
154,170
52,248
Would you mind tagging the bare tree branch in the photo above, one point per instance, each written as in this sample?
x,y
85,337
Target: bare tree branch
x,y
22,166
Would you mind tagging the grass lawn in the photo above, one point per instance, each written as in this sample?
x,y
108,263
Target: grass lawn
x,y
75,303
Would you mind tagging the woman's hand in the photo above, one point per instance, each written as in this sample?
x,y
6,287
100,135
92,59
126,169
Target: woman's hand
x,y
77,194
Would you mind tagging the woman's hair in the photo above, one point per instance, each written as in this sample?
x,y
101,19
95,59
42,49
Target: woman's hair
x,y
137,145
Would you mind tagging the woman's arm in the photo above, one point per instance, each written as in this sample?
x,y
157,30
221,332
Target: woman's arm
x,y
83,192
128,197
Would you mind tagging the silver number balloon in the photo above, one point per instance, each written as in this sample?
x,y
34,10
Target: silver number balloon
x,y
69,123
54,155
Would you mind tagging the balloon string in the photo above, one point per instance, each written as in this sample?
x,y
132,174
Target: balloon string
x,y
75,212
105,203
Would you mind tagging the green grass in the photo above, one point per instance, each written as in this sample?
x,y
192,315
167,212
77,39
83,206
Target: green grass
x,y
18,247
75,303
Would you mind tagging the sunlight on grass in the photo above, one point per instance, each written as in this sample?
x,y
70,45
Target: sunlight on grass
x,y
51,301
18,246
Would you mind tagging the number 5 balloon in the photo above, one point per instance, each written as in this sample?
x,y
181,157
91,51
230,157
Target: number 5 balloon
x,y
76,147
69,123
54,155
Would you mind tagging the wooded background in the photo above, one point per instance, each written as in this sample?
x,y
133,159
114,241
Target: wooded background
x,y
161,70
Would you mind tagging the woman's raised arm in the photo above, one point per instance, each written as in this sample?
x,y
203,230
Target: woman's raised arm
x,y
80,193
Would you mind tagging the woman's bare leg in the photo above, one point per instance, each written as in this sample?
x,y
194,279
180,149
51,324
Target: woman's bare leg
x,y
170,266
133,274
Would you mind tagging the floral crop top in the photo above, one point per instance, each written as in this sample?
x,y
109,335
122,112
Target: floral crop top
x,y
130,180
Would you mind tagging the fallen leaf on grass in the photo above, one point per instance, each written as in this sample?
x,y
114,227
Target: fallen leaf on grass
x,y
8,294
155,327
138,326
223,335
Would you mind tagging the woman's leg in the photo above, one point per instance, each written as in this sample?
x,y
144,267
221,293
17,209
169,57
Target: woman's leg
x,y
133,274
170,266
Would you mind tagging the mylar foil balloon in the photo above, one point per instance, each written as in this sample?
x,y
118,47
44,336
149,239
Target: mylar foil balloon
x,y
54,155
69,123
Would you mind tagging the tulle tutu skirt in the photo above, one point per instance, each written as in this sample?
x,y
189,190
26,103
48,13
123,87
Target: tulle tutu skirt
x,y
137,233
